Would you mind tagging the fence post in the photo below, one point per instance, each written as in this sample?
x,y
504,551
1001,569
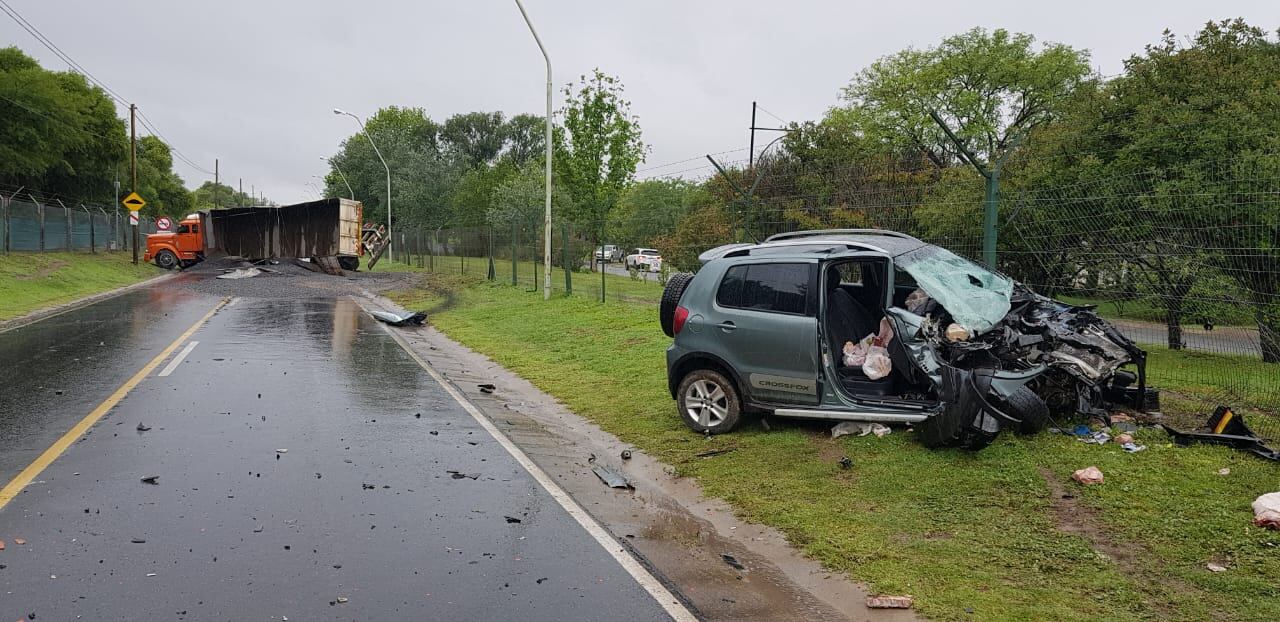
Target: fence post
x,y
564,249
513,251
93,244
70,223
493,271
4,205
604,261
40,211
431,253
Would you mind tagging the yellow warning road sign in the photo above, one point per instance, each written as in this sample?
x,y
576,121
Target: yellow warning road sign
x,y
133,202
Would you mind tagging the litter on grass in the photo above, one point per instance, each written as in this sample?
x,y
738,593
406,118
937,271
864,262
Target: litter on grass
x,y
1266,510
889,602
1088,475
849,428
1226,427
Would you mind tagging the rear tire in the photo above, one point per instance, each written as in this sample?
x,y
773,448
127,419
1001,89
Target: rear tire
x,y
166,259
676,285
348,263
708,402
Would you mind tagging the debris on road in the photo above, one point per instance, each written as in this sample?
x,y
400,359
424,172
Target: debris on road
x,y
626,454
411,319
890,602
1,545
461,475
487,388
151,479
732,561
512,519
1266,510
240,273
138,540
19,541
611,478
1088,475
1226,427
282,451
142,427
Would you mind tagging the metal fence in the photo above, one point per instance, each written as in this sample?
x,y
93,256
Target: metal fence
x,y
1185,262
29,224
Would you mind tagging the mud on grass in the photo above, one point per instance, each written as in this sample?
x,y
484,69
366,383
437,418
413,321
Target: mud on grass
x,y
971,535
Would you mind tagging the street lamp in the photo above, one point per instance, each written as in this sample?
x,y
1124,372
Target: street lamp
x,y
344,177
546,225
365,131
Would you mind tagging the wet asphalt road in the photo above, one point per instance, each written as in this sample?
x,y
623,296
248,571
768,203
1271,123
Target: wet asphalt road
x,y
361,507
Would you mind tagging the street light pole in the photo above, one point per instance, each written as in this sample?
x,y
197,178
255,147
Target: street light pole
x,y
344,177
365,131
546,224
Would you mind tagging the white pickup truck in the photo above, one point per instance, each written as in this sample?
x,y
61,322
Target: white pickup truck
x,y
644,259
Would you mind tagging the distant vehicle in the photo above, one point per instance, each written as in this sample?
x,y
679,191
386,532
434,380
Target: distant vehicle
x,y
647,259
325,228
608,253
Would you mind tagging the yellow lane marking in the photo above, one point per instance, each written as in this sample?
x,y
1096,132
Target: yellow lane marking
x,y
43,461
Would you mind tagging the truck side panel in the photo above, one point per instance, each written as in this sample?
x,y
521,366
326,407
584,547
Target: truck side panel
x,y
313,229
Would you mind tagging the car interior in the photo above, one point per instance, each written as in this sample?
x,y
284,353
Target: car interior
x,y
854,307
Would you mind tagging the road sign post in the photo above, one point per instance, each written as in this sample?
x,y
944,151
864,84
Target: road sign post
x,y
134,203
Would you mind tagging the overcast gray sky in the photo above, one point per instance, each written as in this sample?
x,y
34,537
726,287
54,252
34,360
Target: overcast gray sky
x,y
252,82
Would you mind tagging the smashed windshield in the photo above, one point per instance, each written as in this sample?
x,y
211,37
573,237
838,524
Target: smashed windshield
x,y
976,297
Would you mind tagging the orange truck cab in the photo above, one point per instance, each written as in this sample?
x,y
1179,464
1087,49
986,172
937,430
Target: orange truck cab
x,y
182,247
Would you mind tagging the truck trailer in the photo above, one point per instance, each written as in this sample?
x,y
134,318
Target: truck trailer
x,y
315,229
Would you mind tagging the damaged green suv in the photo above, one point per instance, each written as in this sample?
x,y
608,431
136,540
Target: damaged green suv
x,y
877,326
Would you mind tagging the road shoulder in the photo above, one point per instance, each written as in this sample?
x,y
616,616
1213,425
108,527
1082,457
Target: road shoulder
x,y
692,542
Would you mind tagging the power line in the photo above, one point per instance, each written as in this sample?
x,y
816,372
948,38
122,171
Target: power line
x,y
76,67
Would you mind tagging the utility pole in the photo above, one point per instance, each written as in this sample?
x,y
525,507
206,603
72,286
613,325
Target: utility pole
x,y
546,222
241,197
751,150
215,183
991,173
133,169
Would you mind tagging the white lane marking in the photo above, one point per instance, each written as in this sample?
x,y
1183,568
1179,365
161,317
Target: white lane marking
x,y
177,360
659,592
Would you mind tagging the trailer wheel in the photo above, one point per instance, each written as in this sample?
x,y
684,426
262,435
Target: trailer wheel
x,y
348,263
166,259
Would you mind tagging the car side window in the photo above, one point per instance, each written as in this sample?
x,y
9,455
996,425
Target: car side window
x,y
184,229
776,287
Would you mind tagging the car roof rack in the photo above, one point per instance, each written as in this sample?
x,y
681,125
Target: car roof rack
x,y
794,235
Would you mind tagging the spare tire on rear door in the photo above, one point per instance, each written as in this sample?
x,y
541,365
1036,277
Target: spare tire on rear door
x,y
676,285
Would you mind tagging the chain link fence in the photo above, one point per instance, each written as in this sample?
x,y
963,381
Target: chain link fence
x,y
29,224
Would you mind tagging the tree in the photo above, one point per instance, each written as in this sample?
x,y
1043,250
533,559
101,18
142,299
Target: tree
x,y
653,208
988,87
525,137
60,135
475,138
598,148
157,183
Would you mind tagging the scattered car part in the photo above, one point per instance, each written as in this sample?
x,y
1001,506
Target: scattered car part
x,y
414,319
610,477
890,602
1088,475
240,273
1226,427
151,479
732,561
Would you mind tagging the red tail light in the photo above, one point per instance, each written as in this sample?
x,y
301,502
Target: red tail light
x,y
678,321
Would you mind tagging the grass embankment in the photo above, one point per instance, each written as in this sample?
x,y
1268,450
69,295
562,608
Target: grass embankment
x,y
33,281
1001,534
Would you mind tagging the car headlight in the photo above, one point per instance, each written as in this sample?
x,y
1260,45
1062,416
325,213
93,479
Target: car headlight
x,y
956,332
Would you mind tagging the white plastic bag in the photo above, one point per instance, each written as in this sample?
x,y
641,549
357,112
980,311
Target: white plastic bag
x,y
1266,510
877,364
855,354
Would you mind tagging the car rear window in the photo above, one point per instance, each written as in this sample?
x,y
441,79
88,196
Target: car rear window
x,y
777,287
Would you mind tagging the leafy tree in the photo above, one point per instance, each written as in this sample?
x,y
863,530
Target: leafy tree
x,y
475,138
702,229
157,183
525,138
988,87
598,148
652,208
210,195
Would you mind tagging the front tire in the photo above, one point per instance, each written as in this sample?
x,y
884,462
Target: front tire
x,y
166,259
1031,411
708,402
349,263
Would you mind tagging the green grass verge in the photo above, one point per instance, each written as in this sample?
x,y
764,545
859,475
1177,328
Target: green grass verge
x,y
32,281
972,535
